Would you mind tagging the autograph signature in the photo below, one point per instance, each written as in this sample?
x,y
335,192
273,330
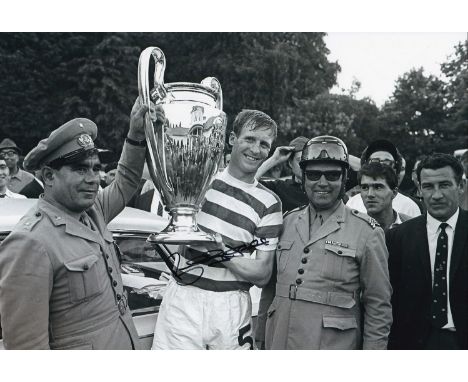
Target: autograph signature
x,y
209,258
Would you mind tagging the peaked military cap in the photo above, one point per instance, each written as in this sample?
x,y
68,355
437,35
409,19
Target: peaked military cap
x,y
69,141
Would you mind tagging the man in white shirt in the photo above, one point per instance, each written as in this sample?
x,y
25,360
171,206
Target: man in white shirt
x,y
4,180
379,186
385,152
428,264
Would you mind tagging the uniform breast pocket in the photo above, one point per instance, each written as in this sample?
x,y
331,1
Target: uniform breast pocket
x,y
83,277
340,263
283,253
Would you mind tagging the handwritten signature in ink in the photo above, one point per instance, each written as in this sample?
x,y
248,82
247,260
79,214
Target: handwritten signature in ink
x,y
208,258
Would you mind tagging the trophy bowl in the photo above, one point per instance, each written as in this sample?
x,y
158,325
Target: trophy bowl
x,y
184,153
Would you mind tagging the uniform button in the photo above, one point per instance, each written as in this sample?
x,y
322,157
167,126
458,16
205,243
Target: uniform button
x,y
119,297
304,260
300,271
299,281
38,214
109,269
340,252
85,267
279,246
114,283
107,256
306,250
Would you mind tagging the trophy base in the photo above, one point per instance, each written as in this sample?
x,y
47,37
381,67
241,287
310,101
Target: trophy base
x,y
192,238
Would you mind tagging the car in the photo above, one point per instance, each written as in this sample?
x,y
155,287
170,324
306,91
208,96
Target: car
x,y
144,273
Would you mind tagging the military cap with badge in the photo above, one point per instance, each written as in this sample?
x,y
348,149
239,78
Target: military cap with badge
x,y
69,143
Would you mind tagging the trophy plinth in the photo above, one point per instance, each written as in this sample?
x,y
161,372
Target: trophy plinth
x,y
184,153
182,229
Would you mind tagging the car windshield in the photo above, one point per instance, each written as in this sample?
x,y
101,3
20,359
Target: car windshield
x,y
143,271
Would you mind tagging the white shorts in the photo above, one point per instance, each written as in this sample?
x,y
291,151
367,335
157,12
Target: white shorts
x,y
192,318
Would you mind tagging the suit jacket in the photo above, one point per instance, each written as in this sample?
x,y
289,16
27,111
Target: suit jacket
x,y
410,275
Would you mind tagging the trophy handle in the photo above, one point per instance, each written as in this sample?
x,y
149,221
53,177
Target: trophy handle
x,y
159,90
155,158
213,83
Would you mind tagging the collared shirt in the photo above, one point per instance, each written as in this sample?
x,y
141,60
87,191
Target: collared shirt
x,y
433,231
19,180
396,220
13,195
401,204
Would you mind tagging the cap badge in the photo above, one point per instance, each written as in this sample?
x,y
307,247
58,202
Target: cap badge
x,y
85,141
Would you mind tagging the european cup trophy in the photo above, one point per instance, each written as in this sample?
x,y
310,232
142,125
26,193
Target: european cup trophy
x,y
184,154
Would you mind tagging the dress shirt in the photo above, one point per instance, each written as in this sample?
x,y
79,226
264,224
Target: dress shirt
x,y
433,231
13,195
401,204
19,180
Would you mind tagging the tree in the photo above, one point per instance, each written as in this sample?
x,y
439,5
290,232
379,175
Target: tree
x,y
414,117
456,72
352,120
48,78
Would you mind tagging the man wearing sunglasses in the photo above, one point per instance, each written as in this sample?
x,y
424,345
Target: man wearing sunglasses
x,y
333,289
385,152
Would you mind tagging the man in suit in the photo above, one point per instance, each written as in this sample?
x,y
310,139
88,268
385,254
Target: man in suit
x,y
428,264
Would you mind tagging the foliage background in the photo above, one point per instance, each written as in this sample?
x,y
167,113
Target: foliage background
x,y
49,78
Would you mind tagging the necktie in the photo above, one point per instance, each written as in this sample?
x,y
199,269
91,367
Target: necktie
x,y
320,219
2,195
86,221
439,289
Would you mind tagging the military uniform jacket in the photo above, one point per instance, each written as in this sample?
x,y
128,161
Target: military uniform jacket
x,y
60,284
332,289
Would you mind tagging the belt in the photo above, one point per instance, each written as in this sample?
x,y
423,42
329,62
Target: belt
x,y
338,299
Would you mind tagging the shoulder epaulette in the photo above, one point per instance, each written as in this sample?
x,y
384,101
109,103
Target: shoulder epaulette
x,y
28,222
294,210
371,221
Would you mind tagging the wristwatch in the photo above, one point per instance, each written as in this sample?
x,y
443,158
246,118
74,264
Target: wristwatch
x,y
136,143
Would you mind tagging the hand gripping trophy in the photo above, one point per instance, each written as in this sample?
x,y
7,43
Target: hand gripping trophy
x,y
184,154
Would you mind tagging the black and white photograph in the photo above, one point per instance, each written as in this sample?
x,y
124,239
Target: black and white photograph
x,y
201,188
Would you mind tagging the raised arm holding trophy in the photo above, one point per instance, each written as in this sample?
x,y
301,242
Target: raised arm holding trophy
x,y
207,304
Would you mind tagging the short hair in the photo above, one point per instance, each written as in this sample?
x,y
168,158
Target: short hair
x,y
439,160
253,119
378,170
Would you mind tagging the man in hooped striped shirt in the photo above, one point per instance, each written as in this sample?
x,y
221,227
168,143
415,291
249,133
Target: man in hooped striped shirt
x,y
211,307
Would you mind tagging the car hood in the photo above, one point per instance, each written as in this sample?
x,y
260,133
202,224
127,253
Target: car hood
x,y
129,220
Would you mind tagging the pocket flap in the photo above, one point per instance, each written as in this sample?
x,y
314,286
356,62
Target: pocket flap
x,y
340,251
82,264
340,322
285,244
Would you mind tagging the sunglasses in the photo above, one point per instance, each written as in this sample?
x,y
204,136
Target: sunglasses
x,y
331,176
387,162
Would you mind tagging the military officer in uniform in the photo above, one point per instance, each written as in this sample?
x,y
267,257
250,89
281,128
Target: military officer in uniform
x,y
60,285
332,289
